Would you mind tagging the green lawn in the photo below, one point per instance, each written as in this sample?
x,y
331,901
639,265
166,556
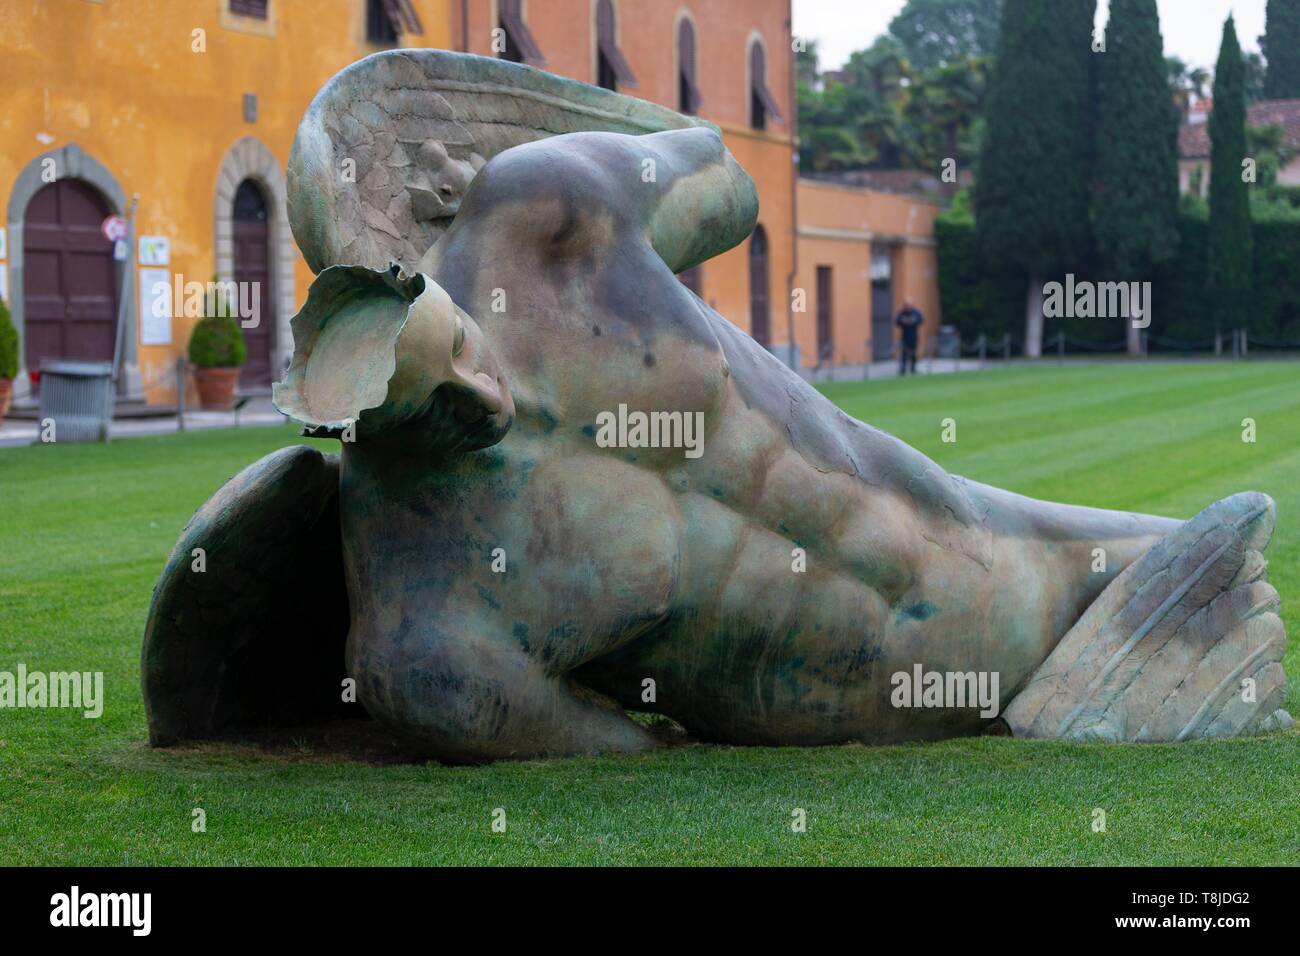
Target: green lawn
x,y
86,529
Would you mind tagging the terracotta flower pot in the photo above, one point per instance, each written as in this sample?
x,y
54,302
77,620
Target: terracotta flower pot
x,y
6,396
216,387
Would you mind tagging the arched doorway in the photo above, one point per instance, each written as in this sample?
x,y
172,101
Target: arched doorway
x,y
69,284
760,322
251,235
248,159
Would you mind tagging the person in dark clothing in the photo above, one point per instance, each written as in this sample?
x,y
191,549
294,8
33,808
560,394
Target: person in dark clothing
x,y
909,322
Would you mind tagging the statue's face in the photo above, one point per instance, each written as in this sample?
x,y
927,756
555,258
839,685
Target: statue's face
x,y
437,182
379,352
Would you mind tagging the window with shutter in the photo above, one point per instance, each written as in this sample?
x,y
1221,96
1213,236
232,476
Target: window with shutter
x,y
386,20
249,8
760,324
762,105
691,279
520,46
612,70
688,92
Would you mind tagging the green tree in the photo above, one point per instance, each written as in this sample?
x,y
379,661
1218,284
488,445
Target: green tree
x,y
941,112
1229,270
1135,192
1281,47
1256,78
936,33
1267,145
806,70
1186,84
828,140
1032,192
877,81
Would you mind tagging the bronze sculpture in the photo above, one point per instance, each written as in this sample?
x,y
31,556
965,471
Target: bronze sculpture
x,y
503,556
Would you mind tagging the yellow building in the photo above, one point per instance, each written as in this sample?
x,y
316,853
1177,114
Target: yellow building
x,y
862,252
181,114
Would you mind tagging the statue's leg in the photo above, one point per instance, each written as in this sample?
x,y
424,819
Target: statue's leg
x,y
465,695
1185,643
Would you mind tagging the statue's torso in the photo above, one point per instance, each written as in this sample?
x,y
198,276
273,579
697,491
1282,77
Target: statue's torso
x,y
770,588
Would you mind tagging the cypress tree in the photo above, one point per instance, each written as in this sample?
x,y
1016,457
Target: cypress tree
x,y
1281,48
1135,198
1228,278
1032,188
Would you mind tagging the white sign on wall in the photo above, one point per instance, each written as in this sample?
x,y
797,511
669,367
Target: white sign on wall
x,y
154,251
4,283
3,247
155,307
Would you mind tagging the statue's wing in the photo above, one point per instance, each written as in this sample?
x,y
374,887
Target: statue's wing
x,y
250,616
1185,643
389,145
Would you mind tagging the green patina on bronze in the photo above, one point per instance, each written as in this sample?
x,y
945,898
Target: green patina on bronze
x,y
470,382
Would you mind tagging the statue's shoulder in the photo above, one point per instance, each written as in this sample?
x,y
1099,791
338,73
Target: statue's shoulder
x,y
562,173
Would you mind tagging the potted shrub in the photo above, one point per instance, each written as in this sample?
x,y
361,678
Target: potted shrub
x,y
8,359
217,352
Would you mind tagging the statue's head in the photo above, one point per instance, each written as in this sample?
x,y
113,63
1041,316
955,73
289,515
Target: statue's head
x,y
384,353
438,181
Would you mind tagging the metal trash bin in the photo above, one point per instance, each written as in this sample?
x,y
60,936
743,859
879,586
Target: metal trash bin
x,y
949,345
78,397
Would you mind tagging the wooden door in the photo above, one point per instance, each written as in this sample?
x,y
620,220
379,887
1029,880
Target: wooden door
x,y
882,304
251,234
69,276
825,333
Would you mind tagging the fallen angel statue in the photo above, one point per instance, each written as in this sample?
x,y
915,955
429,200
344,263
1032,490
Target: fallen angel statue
x,y
565,486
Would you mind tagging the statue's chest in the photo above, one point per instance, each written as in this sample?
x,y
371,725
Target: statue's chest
x,y
544,539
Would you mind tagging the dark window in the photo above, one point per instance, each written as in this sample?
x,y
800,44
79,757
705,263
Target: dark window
x,y
249,205
825,340
762,105
688,92
520,47
249,8
605,72
387,19
510,50
612,70
379,27
760,324
691,279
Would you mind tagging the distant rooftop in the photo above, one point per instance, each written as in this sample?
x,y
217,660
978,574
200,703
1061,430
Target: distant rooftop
x,y
915,182
1194,138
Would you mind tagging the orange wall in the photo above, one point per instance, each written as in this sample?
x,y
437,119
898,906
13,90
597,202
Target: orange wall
x,y
120,79
838,226
647,29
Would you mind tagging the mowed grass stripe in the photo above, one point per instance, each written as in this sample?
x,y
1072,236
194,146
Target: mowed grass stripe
x,y
76,576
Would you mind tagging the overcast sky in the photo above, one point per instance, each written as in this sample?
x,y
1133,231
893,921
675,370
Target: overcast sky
x,y
1191,28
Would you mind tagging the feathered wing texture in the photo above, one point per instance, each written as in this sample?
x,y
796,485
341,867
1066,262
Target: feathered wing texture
x,y
1165,653
250,616
390,144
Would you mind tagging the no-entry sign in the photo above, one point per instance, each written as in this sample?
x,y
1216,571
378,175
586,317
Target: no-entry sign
x,y
113,228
